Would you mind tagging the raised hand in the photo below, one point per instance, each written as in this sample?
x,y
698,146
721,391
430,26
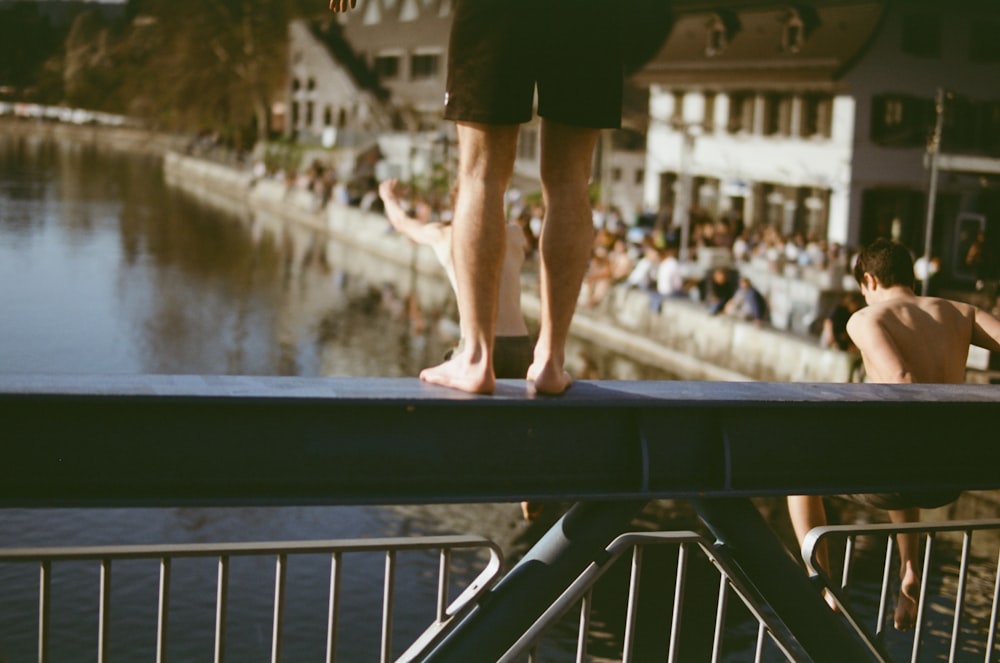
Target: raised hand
x,y
342,5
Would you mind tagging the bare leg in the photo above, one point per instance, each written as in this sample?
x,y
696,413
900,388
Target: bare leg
x,y
485,164
807,512
909,579
564,246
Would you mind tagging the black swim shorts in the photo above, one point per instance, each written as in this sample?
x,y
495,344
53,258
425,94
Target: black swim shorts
x,y
500,50
929,499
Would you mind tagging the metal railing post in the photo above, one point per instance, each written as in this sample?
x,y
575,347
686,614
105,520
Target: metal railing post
x,y
580,537
811,628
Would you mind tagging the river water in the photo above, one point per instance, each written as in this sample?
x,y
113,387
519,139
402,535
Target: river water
x,y
105,269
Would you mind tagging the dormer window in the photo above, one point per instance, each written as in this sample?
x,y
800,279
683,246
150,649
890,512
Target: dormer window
x,y
793,33
796,26
717,37
722,27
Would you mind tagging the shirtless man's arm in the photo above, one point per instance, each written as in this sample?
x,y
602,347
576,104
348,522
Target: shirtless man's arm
x,y
421,232
985,331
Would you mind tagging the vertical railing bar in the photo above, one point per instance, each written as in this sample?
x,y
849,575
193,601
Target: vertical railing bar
x,y
991,639
581,638
44,608
334,611
963,572
633,603
758,654
848,556
387,605
884,594
221,600
720,616
104,616
280,571
675,619
163,611
924,575
444,580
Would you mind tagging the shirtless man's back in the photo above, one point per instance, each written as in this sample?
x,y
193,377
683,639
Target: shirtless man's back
x,y
905,338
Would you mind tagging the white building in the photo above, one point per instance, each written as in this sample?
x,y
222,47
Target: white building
x,y
814,118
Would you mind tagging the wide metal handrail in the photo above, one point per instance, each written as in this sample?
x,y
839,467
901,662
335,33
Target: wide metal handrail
x,y
609,446
446,612
930,532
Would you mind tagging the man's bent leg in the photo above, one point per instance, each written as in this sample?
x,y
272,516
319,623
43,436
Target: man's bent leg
x,y
485,164
909,578
564,246
807,512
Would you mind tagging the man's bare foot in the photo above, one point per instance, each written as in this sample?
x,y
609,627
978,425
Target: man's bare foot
x,y
906,606
459,373
549,379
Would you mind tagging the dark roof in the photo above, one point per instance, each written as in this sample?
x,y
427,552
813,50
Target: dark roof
x,y
835,35
330,33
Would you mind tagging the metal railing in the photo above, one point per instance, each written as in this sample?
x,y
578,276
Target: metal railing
x,y
445,613
935,570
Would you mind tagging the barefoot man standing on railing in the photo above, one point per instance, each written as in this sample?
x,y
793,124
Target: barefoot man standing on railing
x,y
903,338
500,51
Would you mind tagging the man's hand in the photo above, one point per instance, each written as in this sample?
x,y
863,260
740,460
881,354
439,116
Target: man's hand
x,y
342,5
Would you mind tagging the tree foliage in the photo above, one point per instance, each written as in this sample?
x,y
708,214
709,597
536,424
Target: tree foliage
x,y
210,63
190,65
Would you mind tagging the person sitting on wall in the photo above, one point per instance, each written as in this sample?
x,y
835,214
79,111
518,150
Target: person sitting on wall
x,y
747,303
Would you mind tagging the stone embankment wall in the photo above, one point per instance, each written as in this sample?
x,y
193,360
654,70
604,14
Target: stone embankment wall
x,y
681,338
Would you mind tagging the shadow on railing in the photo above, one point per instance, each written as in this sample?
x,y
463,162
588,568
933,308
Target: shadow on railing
x,y
445,612
946,571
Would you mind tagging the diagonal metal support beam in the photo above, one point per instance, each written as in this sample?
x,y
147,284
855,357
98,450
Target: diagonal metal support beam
x,y
808,628
579,538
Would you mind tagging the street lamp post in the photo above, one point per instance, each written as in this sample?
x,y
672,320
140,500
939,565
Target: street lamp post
x,y
934,150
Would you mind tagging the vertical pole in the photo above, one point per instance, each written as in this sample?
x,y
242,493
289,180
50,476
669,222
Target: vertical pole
x,y
519,599
752,547
682,208
934,148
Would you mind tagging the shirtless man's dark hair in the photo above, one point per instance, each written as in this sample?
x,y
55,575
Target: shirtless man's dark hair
x,y
888,261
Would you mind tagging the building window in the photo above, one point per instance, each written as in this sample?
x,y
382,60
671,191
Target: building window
x,y
900,120
295,114
678,115
527,144
922,34
721,29
386,67
296,85
741,111
984,46
989,127
310,107
328,116
311,84
424,66
817,116
640,176
777,115
616,174
708,114
793,33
